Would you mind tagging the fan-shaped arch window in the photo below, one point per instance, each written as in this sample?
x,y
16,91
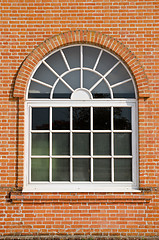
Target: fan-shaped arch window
x,y
81,103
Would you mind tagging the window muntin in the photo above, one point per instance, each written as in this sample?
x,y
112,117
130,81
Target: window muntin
x,y
83,140
67,69
81,124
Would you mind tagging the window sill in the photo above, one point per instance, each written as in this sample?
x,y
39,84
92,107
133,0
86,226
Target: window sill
x,y
79,198
81,187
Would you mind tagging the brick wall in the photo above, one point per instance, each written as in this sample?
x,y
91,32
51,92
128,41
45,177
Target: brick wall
x,y
130,29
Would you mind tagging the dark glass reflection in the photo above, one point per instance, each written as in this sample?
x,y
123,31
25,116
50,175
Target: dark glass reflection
x,y
123,169
61,118
39,169
118,74
37,90
72,55
106,62
101,118
60,169
81,118
101,91
81,143
122,144
81,169
90,55
57,63
61,91
60,143
40,144
40,119
125,90
61,95
102,169
123,95
122,118
38,95
45,75
101,143
101,95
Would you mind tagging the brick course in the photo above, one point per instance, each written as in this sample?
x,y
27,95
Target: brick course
x,y
29,31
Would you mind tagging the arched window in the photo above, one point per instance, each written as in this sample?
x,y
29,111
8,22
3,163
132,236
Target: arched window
x,y
81,123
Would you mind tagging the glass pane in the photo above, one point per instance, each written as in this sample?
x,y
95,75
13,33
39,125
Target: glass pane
x,y
89,79
101,118
60,169
45,75
60,143
61,118
81,143
81,118
40,119
102,169
123,169
61,91
72,55
118,74
122,143
90,55
101,91
37,90
40,143
73,79
101,143
81,169
39,169
57,63
125,90
106,62
122,118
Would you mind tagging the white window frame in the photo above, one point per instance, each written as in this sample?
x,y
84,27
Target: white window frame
x,y
82,186
75,101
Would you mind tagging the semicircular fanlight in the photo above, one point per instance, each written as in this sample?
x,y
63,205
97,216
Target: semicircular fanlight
x,y
70,68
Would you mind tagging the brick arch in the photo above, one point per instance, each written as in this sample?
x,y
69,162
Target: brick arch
x,y
81,36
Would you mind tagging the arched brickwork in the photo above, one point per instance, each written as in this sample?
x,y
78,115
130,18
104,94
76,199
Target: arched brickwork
x,y
81,36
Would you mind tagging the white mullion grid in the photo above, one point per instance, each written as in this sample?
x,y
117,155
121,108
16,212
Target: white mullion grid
x,y
52,70
122,131
50,172
71,145
123,156
81,131
102,131
81,156
120,83
115,103
112,144
81,61
91,142
104,78
56,82
40,156
102,156
42,83
97,61
60,131
65,60
60,156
